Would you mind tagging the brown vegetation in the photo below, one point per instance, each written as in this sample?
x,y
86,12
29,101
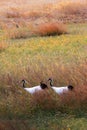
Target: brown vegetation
x,y
16,33
17,103
20,13
73,100
73,8
66,12
51,28
61,11
43,29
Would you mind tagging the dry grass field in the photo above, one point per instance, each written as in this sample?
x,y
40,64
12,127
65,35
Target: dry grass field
x,y
39,40
33,12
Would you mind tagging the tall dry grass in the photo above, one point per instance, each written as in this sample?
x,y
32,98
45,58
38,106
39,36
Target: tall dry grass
x,y
18,30
20,12
68,11
19,101
68,7
74,100
17,33
16,124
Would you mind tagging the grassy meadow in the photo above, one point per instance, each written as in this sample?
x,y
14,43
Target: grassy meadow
x,y
35,52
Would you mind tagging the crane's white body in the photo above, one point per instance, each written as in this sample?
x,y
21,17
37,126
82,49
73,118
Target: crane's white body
x,y
33,89
60,90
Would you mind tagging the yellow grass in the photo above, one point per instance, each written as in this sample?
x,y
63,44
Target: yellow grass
x,y
3,45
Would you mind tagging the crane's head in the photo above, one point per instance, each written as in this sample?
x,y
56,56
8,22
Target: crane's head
x,y
43,85
70,87
51,81
23,80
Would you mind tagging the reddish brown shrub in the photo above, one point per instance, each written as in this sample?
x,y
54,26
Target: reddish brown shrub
x,y
48,29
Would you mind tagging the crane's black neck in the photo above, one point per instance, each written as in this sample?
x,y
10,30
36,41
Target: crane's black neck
x,y
51,82
23,83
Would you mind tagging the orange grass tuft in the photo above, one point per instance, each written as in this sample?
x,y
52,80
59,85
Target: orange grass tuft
x,y
47,29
